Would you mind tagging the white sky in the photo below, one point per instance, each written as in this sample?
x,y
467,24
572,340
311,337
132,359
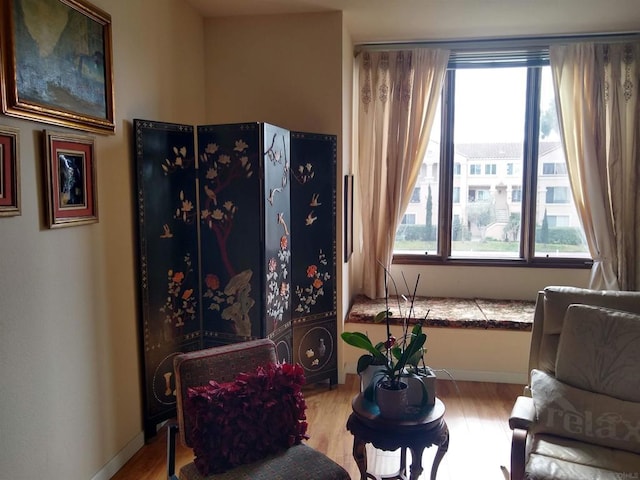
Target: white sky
x,y
490,104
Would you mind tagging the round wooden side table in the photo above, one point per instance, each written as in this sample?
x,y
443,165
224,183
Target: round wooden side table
x,y
415,433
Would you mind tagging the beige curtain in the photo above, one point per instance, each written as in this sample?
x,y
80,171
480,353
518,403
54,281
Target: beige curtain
x,y
597,96
398,96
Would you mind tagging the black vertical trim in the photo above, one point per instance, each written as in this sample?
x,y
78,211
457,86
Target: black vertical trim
x,y
530,164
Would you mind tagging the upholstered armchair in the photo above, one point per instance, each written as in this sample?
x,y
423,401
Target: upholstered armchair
x,y
248,423
579,417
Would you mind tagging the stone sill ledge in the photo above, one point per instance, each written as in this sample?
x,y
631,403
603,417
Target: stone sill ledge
x,y
478,313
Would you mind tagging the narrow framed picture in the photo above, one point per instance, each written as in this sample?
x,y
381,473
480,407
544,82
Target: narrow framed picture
x,y
57,63
72,198
9,172
348,217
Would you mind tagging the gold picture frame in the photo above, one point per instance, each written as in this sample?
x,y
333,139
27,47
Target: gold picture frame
x,y
70,166
57,63
9,172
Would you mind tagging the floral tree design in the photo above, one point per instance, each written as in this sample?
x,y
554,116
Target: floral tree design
x,y
186,211
278,157
221,171
277,272
278,291
178,162
303,173
318,275
217,214
180,305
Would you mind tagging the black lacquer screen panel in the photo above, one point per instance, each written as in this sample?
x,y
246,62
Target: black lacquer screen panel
x,y
167,257
245,238
313,227
236,229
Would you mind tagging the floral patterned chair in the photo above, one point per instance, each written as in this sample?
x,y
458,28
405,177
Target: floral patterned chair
x,y
580,415
243,414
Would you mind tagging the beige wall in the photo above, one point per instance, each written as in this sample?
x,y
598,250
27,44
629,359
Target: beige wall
x,y
284,69
69,376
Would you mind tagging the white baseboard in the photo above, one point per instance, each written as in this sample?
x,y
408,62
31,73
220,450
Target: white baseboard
x,y
122,457
482,376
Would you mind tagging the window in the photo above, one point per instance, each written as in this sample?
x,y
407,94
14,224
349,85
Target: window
x,y
509,168
557,195
408,219
554,168
558,220
479,194
456,194
516,194
508,138
415,196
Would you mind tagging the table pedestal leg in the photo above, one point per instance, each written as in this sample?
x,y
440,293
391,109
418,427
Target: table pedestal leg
x,y
403,461
443,446
416,463
360,456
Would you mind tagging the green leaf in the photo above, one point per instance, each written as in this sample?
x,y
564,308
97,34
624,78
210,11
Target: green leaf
x,y
396,351
382,316
360,340
414,346
363,363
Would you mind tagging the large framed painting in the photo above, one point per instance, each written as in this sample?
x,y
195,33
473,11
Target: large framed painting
x,y
57,63
9,172
70,168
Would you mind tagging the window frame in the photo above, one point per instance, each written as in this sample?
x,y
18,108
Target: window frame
x,y
526,257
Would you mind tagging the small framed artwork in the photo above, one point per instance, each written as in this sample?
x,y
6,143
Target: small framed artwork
x,y
57,65
72,198
348,217
9,172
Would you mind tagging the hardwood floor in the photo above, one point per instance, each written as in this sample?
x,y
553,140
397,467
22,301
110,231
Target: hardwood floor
x,y
476,414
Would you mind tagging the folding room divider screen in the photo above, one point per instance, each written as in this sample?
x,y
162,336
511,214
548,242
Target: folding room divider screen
x,y
236,240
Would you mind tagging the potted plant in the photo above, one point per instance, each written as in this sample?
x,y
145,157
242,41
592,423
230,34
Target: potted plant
x,y
392,359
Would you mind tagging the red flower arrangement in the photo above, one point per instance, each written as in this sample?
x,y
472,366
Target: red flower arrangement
x,y
256,415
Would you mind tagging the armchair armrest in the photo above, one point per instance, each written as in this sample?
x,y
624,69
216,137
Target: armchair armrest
x,y
523,413
522,416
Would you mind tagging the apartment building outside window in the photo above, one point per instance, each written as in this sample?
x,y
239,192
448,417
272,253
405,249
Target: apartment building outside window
x,y
516,194
415,196
558,195
502,193
554,168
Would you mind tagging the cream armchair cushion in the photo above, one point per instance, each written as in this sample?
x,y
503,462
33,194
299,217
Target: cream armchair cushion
x,y
577,414
599,351
550,315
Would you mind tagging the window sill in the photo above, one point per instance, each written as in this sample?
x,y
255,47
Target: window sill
x,y
539,262
478,313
